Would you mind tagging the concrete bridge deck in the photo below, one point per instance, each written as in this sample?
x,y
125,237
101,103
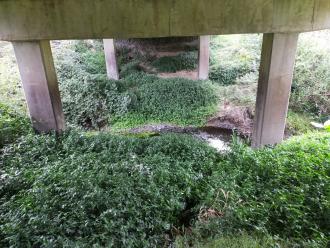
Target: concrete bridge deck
x,y
90,19
30,24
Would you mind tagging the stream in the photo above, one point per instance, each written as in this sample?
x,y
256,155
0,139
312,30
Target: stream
x,y
217,138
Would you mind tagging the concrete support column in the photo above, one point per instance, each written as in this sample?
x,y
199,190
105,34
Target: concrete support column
x,y
275,79
204,57
40,84
110,59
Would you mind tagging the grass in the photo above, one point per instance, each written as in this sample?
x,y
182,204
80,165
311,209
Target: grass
x,y
242,56
82,189
12,125
270,191
95,189
299,123
235,241
240,94
137,99
86,190
177,101
196,119
11,92
183,61
125,103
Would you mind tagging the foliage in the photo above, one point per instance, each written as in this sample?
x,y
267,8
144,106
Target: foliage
x,y
327,125
235,241
178,101
92,101
81,190
233,57
239,94
11,92
311,84
183,61
298,123
89,99
92,56
282,191
234,60
12,125
227,74
85,189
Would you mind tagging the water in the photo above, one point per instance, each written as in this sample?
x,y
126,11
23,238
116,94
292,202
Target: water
x,y
217,138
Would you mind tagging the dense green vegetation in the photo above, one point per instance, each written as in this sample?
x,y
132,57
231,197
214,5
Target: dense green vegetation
x,y
139,98
311,84
239,241
121,104
79,190
183,61
12,125
113,191
136,99
282,191
11,93
233,57
235,61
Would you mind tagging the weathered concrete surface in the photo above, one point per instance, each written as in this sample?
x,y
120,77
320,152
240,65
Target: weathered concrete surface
x,y
275,79
110,59
82,19
40,85
204,57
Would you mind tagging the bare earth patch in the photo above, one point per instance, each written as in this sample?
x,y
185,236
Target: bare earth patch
x,y
235,118
181,74
158,50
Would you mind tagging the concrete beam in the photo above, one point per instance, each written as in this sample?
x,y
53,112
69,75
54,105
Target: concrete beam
x,y
55,19
204,57
110,59
40,85
275,79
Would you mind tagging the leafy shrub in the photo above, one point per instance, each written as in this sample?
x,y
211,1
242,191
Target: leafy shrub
x,y
11,92
228,74
102,190
80,190
183,61
89,99
233,57
176,97
12,125
93,101
235,241
282,191
178,101
298,123
311,83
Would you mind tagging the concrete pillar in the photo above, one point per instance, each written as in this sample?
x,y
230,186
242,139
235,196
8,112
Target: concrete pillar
x,y
204,57
40,85
275,79
110,59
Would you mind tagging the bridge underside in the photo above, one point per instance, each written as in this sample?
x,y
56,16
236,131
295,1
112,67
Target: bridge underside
x,y
30,24
98,19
